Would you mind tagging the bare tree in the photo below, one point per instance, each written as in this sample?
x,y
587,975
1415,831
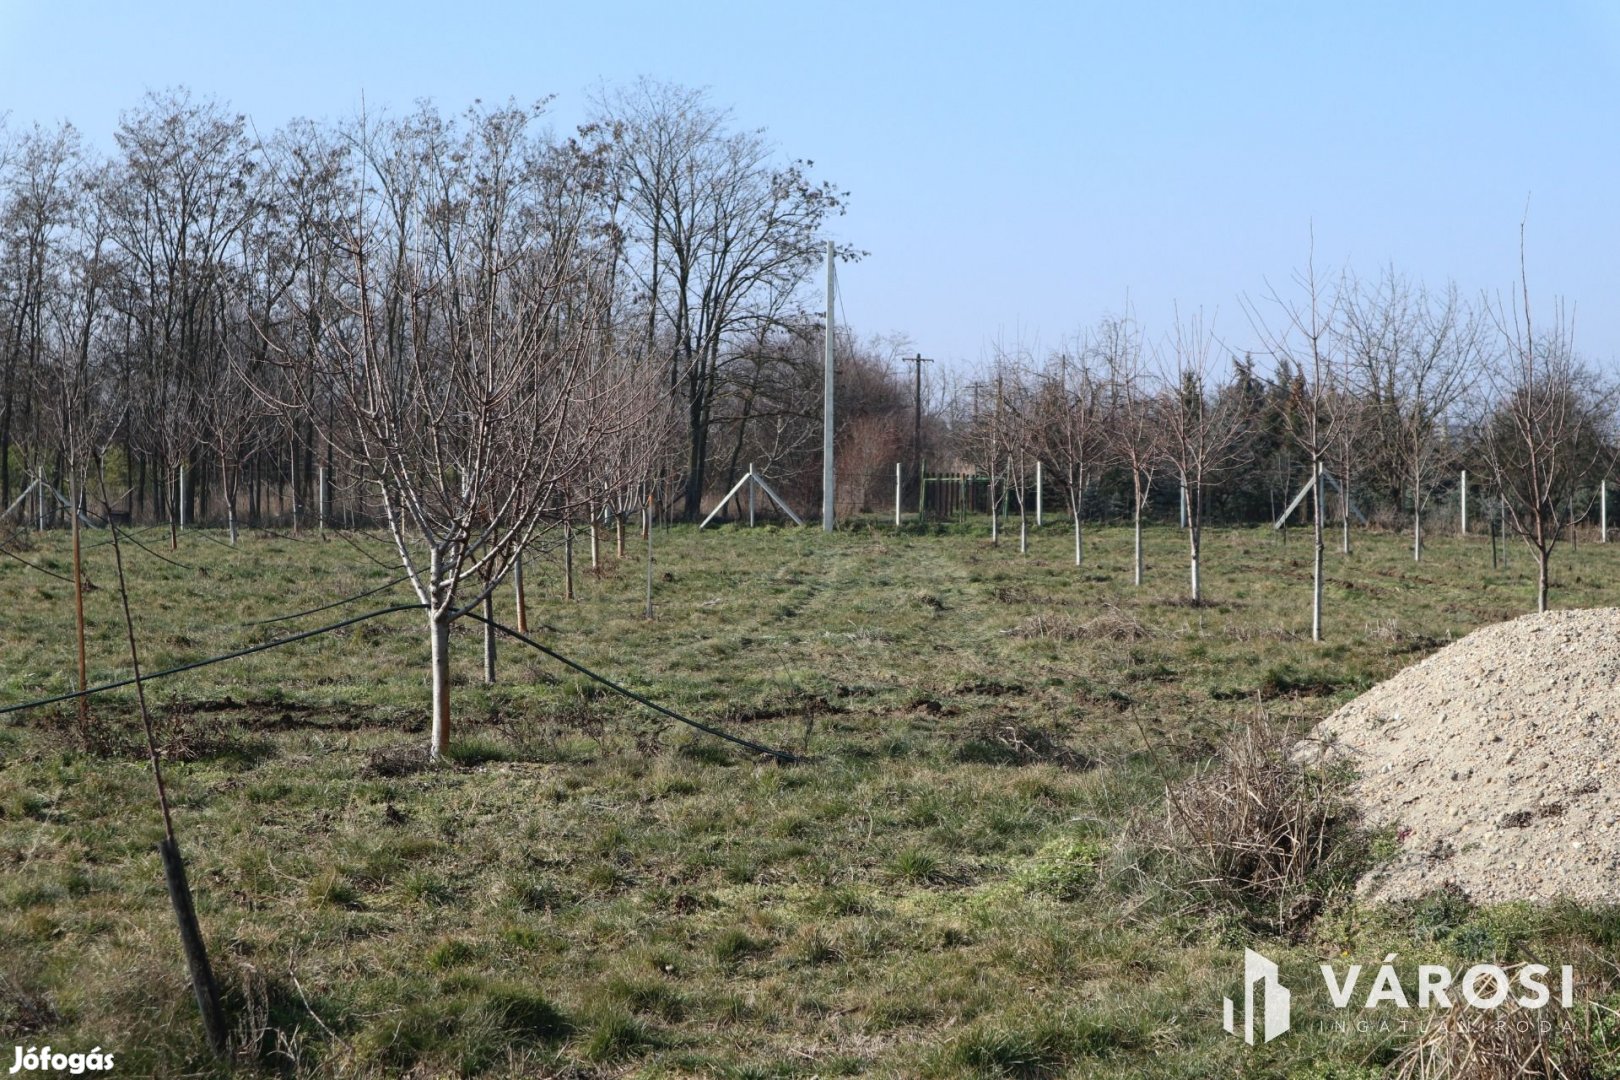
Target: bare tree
x,y
1202,427
468,368
718,239
1135,430
1546,428
1417,354
1303,333
1072,421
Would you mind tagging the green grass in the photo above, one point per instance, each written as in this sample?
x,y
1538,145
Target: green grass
x,y
944,887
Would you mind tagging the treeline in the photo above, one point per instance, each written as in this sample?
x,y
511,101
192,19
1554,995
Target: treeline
x,y
198,304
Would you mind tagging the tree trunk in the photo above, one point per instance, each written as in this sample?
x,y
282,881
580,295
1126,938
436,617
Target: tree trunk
x,y
1417,527
1136,518
1543,557
1344,522
649,611
568,560
618,533
517,595
1195,536
439,655
489,639
1316,576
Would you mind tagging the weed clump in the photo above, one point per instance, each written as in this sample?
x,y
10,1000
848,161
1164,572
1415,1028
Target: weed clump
x,y
1510,1042
1260,833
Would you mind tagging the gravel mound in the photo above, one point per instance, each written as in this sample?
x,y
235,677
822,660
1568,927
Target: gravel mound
x,y
1497,762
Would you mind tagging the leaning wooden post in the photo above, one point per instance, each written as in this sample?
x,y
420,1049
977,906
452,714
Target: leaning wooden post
x,y
174,868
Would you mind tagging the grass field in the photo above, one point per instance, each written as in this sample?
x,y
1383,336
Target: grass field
x,y
952,884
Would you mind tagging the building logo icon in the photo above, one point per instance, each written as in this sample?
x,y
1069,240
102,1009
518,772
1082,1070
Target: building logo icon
x,y
1276,999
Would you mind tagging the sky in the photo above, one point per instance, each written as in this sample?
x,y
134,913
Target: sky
x,y
1016,170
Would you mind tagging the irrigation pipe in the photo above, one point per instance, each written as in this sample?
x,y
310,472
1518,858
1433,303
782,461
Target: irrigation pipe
x,y
333,604
13,555
344,536
758,748
156,555
195,664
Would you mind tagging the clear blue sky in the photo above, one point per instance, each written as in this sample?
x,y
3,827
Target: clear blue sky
x,y
1015,169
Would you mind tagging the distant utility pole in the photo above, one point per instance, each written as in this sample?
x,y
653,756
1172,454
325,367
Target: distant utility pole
x,y
916,431
828,475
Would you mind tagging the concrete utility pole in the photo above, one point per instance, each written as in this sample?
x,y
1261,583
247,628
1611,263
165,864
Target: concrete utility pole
x,y
828,477
916,427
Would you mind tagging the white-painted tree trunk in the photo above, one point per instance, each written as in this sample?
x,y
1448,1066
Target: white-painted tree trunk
x,y
568,560
1137,525
1417,524
439,655
519,599
1344,517
489,639
995,516
1195,537
1317,569
649,611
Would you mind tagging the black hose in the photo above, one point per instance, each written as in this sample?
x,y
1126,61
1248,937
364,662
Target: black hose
x,y
333,604
148,676
758,748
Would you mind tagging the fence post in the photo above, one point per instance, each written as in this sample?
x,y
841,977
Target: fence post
x,y
1038,506
897,494
1465,502
750,494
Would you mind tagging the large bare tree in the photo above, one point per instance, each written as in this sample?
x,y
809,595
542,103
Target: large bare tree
x,y
468,363
718,237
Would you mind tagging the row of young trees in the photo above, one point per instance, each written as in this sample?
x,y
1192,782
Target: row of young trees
x,y
491,330
1381,390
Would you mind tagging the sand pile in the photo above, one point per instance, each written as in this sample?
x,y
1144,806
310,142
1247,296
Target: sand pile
x,y
1497,761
